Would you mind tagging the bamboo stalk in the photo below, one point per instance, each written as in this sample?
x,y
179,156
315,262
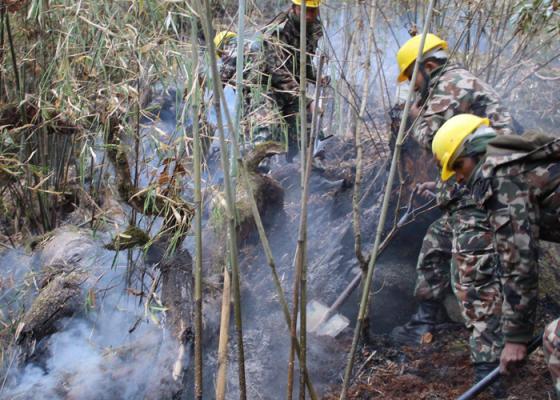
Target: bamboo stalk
x,y
267,249
198,226
302,235
2,19
19,89
293,325
386,199
224,337
303,84
360,150
230,197
261,230
239,77
301,250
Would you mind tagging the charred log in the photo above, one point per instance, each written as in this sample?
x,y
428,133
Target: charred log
x,y
177,297
61,297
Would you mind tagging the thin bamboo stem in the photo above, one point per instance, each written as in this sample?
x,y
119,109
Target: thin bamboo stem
x,y
221,376
359,148
19,89
303,85
293,326
230,197
305,160
261,230
198,388
2,19
381,224
239,77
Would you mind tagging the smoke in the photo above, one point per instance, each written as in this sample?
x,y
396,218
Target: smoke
x,y
82,366
114,348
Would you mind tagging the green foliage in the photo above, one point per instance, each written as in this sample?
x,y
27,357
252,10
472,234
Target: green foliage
x,y
80,63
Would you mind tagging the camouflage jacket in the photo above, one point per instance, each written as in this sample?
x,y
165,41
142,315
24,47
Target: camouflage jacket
x,y
273,58
518,182
254,72
454,90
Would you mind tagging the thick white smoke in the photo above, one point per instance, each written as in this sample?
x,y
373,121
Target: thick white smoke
x,y
114,348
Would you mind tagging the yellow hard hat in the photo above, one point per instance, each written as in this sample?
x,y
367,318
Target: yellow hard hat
x,y
308,3
221,39
409,51
449,138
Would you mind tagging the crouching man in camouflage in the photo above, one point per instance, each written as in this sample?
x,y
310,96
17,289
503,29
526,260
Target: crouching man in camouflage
x,y
516,179
458,247
262,120
272,73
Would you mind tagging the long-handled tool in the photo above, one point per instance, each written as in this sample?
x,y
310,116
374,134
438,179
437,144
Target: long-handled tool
x,y
323,319
320,321
495,374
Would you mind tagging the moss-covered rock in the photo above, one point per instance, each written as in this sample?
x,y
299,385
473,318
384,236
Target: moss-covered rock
x,y
131,237
267,192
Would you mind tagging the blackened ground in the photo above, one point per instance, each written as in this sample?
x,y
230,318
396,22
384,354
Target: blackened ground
x,y
439,370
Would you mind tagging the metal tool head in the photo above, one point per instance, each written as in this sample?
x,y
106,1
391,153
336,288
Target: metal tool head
x,y
319,322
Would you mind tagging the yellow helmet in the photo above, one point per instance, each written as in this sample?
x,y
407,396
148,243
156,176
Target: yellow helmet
x,y
308,3
221,39
407,54
449,138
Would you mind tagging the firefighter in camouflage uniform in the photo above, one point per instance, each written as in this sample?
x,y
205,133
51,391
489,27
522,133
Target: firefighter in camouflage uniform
x,y
457,250
516,179
272,74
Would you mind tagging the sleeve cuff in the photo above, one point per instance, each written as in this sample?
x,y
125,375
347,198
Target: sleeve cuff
x,y
523,338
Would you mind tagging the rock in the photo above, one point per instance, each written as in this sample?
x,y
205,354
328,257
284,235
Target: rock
x,y
67,258
69,246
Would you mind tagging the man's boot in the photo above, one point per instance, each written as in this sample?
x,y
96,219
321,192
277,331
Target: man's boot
x,y
429,314
481,370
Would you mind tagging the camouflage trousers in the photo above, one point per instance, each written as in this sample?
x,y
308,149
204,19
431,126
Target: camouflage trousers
x,y
551,348
458,252
263,122
274,119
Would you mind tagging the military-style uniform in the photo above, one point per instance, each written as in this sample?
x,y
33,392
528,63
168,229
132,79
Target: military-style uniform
x,y
262,119
518,183
272,76
458,247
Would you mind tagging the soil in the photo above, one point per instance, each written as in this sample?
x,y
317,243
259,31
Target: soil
x,y
438,370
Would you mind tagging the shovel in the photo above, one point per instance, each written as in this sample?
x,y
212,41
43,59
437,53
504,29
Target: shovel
x,y
322,319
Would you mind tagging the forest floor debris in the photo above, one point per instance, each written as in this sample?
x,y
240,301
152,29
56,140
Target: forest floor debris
x,y
440,370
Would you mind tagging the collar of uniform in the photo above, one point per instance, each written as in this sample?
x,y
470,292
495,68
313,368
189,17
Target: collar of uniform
x,y
476,173
439,71
480,181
